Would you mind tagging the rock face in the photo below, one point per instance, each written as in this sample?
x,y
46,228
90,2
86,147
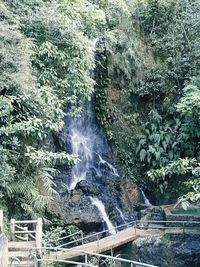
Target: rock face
x,y
130,195
168,250
76,207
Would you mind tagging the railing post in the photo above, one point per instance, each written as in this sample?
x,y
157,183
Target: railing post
x,y
1,221
26,235
111,252
132,264
86,260
39,234
12,229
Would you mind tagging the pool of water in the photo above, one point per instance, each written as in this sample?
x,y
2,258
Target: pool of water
x,y
194,211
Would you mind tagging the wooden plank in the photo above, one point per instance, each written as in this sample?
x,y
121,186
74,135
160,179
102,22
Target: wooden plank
x,y
1,221
39,234
25,232
18,254
26,222
12,228
22,263
103,245
15,244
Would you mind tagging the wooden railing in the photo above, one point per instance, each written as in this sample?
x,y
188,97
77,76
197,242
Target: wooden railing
x,y
1,221
27,230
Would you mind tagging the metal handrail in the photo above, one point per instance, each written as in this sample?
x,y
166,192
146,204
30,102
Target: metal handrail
x,y
66,261
87,253
96,234
133,223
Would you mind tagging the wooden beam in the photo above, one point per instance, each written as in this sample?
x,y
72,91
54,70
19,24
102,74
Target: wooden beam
x,y
1,221
12,229
39,234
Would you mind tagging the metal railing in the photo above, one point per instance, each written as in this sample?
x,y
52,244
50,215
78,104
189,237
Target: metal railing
x,y
144,224
86,257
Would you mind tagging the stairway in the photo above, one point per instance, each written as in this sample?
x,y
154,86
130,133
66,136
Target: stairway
x,y
19,253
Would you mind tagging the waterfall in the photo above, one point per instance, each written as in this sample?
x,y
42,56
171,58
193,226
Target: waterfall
x,y
89,145
82,145
146,201
96,202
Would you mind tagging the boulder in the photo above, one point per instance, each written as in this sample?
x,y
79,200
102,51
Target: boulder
x,y
168,250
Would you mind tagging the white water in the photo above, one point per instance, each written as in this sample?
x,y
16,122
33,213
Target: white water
x,y
146,201
83,138
82,146
121,214
96,202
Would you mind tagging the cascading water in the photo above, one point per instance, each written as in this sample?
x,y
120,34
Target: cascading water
x,y
146,201
94,176
96,202
94,172
89,145
82,145
84,141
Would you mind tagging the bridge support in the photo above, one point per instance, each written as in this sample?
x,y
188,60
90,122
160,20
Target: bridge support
x,y
1,221
39,235
86,260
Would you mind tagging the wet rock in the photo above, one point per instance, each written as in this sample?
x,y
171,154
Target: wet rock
x,y
168,250
77,209
88,188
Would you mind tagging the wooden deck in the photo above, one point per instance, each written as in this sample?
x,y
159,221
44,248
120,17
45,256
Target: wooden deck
x,y
105,244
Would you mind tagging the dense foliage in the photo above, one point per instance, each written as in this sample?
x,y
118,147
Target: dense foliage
x,y
45,55
146,91
148,101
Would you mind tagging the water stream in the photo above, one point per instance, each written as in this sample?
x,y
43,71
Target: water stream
x,y
92,149
96,202
82,145
146,201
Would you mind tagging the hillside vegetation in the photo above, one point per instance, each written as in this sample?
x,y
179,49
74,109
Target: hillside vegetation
x,y
146,57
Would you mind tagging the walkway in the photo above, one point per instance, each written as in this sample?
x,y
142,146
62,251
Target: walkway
x,y
25,247
121,238
103,245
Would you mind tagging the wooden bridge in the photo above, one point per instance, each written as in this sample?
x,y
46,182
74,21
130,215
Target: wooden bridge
x,y
25,247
